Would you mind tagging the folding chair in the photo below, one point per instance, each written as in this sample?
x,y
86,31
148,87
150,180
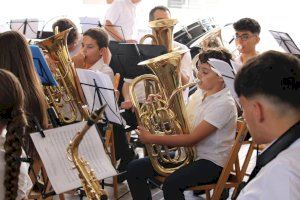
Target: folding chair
x,y
232,174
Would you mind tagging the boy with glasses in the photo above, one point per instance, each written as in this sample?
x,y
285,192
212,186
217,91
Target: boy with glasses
x,y
246,38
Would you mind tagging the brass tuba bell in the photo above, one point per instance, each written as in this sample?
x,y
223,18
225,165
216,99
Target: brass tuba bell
x,y
67,99
162,33
165,115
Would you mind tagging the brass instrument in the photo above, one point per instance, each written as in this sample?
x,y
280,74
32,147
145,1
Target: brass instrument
x,y
162,33
211,39
68,95
165,115
87,176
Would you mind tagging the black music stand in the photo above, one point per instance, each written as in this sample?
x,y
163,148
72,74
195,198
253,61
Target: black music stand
x,y
29,27
286,42
125,58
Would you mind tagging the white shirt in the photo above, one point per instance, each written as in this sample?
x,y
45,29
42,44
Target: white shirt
x,y
122,15
24,184
104,68
279,179
220,111
238,63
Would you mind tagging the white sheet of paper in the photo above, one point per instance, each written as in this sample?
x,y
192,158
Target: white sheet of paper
x,y
106,91
53,152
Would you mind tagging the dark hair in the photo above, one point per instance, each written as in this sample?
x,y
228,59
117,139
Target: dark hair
x,y
247,24
11,114
217,53
64,24
272,74
99,35
163,8
16,57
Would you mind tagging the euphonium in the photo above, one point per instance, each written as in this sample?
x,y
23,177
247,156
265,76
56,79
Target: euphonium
x,y
165,115
69,93
162,33
88,179
211,39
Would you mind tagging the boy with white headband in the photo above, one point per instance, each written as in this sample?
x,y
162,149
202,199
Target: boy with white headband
x,y
212,115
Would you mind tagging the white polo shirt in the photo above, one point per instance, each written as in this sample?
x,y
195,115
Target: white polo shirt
x,y
220,111
122,14
24,183
279,179
104,68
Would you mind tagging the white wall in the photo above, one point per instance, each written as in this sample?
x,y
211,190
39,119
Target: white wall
x,y
275,15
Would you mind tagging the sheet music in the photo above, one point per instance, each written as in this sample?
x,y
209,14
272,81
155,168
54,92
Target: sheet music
x,y
105,86
53,152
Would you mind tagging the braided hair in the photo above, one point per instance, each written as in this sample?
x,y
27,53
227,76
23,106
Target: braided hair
x,y
13,116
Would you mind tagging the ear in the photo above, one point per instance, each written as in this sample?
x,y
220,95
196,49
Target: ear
x,y
257,39
101,51
259,112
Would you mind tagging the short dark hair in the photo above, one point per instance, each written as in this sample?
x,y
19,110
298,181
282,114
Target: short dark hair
x,y
217,53
247,24
64,24
163,8
272,74
99,35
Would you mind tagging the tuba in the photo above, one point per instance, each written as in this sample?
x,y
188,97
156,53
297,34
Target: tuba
x,y
165,115
88,179
162,33
211,39
67,99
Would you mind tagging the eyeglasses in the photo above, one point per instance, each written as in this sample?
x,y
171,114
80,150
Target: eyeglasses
x,y
244,37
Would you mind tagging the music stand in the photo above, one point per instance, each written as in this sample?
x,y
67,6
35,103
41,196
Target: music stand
x,y
89,22
29,27
286,42
125,58
98,90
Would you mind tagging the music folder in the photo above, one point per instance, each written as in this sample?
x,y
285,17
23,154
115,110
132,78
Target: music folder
x,y
126,56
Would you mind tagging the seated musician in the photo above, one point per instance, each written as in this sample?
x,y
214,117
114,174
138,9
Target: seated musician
x,y
157,13
74,38
15,182
268,87
94,54
212,115
246,38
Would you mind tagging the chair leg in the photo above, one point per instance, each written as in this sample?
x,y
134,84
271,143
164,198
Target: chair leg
x,y
207,194
111,145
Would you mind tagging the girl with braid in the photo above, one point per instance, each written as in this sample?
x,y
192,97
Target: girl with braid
x,y
15,56
15,182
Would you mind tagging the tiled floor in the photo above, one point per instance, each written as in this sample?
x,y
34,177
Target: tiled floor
x,y
124,193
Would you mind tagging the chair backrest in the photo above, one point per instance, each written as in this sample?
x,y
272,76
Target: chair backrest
x,y
232,163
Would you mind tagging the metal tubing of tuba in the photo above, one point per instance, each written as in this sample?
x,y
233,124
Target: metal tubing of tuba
x,y
162,31
68,95
162,116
